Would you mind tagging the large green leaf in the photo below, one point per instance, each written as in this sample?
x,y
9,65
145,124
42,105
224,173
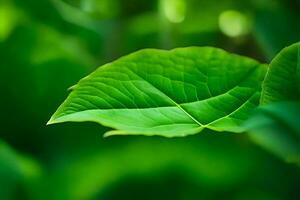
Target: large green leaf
x,y
167,93
282,82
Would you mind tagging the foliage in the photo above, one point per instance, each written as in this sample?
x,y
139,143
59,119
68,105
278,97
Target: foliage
x,y
168,93
47,46
183,91
276,124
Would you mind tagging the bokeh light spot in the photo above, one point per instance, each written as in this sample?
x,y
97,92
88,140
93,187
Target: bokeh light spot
x,y
174,10
233,23
8,21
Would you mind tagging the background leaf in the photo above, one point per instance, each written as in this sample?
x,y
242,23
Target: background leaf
x,y
275,125
282,82
168,93
276,128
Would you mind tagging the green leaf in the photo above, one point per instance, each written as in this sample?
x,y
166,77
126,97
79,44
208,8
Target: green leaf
x,y
282,82
276,127
168,93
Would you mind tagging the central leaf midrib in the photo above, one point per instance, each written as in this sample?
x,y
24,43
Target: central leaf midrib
x,y
169,98
179,106
185,111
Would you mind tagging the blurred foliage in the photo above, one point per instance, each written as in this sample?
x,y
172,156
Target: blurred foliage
x,y
276,127
46,46
18,173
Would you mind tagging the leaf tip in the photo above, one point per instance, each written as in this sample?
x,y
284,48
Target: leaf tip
x,y
72,88
51,121
106,135
110,133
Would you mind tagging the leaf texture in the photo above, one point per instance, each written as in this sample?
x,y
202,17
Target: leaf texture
x,y
282,82
167,93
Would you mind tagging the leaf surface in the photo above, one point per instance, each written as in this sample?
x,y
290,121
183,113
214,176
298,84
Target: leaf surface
x,y
167,93
282,82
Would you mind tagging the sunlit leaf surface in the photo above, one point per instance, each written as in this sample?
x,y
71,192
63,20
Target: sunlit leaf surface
x,y
168,93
